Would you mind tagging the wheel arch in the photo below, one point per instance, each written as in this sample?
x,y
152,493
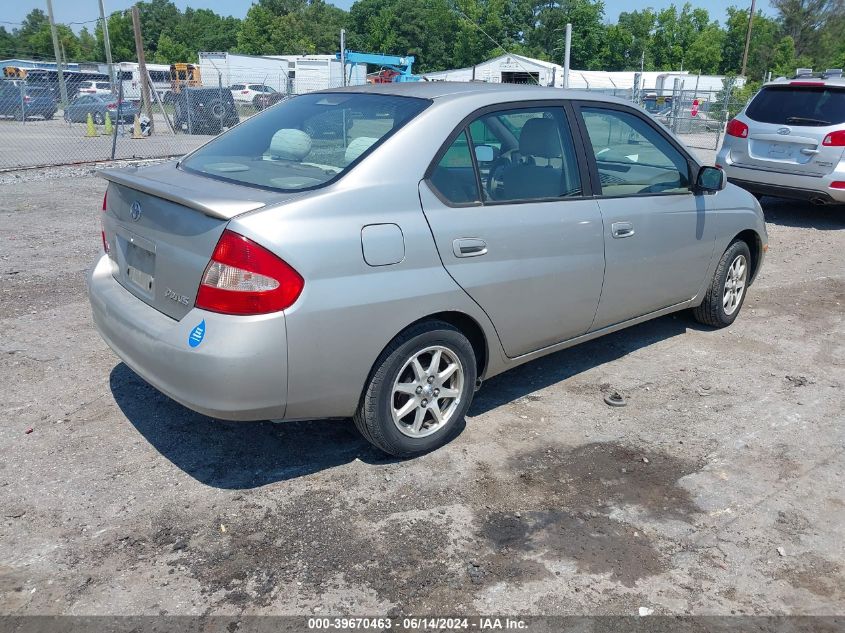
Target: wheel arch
x,y
467,325
755,245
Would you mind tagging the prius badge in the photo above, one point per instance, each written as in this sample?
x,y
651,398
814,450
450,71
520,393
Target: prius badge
x,y
135,211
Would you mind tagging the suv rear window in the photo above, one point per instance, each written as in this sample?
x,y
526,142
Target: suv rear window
x,y
799,105
304,142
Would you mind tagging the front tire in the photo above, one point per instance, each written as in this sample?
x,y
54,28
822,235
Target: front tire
x,y
727,289
419,391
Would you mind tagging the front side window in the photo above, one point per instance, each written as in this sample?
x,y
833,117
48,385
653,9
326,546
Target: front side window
x,y
632,157
304,142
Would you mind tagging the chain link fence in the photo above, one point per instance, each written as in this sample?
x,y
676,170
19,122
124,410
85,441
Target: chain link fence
x,y
102,121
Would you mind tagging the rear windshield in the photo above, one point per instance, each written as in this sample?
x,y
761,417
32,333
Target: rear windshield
x,y
799,105
304,142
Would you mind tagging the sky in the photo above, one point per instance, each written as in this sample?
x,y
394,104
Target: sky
x,y
76,11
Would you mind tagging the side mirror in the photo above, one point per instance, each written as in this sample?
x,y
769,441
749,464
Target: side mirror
x,y
484,153
710,180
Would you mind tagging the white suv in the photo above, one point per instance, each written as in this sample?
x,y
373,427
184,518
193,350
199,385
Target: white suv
x,y
95,88
789,141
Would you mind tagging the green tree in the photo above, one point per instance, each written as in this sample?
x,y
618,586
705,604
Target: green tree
x,y
276,27
588,43
88,50
804,20
705,52
765,34
401,27
629,41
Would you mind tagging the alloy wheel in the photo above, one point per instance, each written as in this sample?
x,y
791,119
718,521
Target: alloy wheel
x,y
427,391
735,284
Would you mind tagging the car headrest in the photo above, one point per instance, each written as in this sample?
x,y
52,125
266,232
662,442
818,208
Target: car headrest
x,y
290,144
540,137
357,147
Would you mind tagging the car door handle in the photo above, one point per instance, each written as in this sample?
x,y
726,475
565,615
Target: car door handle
x,y
621,229
469,247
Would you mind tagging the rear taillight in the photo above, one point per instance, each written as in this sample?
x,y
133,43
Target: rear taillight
x,y
112,106
837,184
244,92
835,139
245,278
103,228
737,128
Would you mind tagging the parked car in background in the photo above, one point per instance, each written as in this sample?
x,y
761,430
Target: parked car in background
x,y
94,88
20,101
97,106
453,231
204,110
789,141
245,93
265,99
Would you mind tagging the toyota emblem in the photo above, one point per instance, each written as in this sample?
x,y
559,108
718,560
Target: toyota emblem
x,y
784,131
135,211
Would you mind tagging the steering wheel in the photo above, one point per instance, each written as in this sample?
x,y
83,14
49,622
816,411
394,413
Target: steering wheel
x,y
494,176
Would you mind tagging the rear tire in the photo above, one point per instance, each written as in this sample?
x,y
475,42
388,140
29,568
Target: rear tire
x,y
402,410
727,289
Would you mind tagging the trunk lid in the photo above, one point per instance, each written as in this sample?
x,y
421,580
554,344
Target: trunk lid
x,y
162,225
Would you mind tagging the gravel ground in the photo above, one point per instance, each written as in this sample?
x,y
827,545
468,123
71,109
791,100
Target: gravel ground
x,y
717,490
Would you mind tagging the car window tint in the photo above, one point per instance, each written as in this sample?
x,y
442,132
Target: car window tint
x,y
304,142
529,155
632,157
454,176
798,105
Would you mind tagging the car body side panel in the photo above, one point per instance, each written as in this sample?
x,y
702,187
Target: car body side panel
x,y
349,311
664,262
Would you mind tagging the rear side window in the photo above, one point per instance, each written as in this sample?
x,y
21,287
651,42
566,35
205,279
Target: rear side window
x,y
798,105
454,176
304,142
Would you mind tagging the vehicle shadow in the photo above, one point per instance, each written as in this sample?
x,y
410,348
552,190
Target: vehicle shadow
x,y
242,455
236,455
803,215
548,370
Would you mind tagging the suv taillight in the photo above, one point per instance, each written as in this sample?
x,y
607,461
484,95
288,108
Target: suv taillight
x,y
835,139
737,128
244,278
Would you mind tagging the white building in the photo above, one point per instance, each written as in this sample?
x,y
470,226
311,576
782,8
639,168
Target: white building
x,y
526,70
295,73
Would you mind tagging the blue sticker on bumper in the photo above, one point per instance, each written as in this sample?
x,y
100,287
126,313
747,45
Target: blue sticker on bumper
x,y
197,334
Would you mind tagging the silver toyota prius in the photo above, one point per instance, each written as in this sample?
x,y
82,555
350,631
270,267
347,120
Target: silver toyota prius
x,y
376,252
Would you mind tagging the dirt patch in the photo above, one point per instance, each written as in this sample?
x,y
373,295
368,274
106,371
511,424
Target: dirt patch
x,y
815,574
602,475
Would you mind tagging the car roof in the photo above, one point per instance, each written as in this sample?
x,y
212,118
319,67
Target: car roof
x,y
446,90
807,82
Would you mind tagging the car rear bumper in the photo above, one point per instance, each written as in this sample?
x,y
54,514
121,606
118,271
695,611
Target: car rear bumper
x,y
785,185
237,372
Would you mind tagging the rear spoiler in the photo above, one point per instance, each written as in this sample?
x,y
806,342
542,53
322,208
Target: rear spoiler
x,y
206,201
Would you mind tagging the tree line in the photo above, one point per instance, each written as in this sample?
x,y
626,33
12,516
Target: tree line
x,y
456,33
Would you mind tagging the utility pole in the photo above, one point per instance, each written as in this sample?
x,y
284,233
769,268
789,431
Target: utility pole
x,y
747,39
107,42
142,65
566,48
58,53
343,55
